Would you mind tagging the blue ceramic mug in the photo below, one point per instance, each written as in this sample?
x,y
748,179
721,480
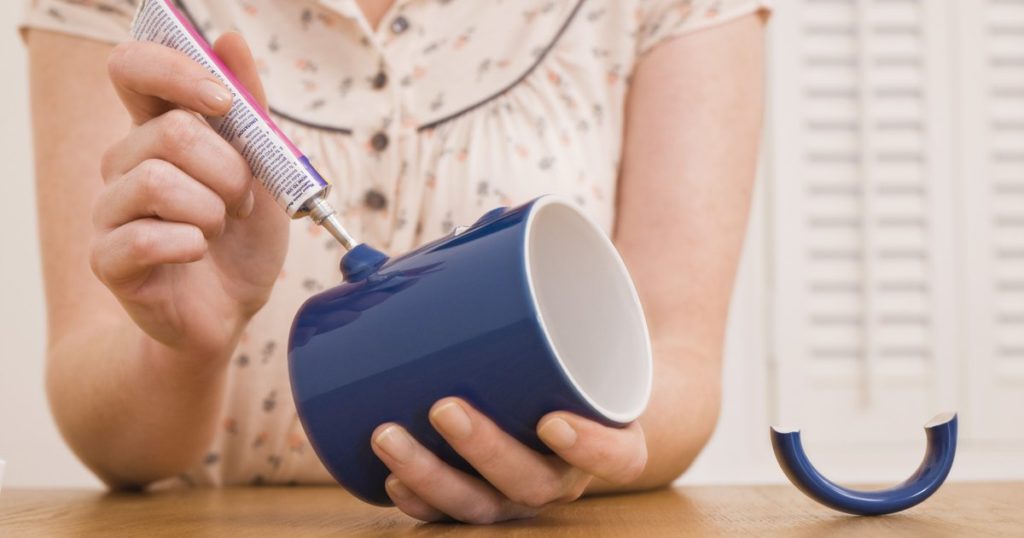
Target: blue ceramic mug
x,y
528,311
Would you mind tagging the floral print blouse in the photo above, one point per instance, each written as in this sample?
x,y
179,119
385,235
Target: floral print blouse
x,y
449,108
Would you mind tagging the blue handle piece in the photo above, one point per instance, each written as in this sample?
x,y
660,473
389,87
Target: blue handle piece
x,y
932,472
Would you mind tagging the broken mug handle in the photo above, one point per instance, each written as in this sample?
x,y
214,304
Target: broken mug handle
x,y
938,460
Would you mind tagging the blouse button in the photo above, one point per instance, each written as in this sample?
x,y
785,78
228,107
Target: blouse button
x,y
373,199
399,25
380,80
379,142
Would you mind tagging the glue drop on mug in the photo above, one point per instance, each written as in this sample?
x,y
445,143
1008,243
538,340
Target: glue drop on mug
x,y
274,160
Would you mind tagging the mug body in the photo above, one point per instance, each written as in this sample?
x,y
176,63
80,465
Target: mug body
x,y
528,311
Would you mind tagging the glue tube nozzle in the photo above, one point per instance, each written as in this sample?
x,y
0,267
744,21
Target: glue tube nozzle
x,y
323,214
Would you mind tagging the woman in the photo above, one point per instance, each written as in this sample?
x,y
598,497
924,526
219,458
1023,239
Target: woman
x,y
171,277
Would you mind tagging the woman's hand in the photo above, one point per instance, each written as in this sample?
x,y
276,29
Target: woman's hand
x,y
184,238
136,378
519,481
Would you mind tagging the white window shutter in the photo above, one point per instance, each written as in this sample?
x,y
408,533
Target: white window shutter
x,y
991,60
861,196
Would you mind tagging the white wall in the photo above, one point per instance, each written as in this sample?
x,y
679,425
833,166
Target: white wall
x,y
29,441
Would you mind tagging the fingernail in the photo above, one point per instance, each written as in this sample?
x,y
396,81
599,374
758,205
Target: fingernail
x,y
247,206
214,95
396,443
557,433
452,420
396,488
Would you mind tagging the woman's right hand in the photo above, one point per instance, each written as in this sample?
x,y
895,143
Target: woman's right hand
x,y
185,239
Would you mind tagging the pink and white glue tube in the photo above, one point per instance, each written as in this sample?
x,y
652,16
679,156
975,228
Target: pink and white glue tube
x,y
274,160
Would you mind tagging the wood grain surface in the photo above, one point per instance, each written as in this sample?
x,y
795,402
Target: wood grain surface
x,y
958,509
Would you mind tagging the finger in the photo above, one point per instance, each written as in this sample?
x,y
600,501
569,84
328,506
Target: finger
x,y
445,488
181,138
521,474
236,55
151,79
130,252
159,189
612,454
408,502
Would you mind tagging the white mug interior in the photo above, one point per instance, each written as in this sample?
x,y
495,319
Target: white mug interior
x,y
588,309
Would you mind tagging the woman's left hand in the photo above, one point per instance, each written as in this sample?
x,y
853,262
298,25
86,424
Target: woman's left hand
x,y
519,481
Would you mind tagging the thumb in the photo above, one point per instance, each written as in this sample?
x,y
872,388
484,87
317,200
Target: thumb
x,y
236,55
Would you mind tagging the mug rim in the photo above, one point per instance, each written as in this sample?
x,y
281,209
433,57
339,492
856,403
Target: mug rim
x,y
620,267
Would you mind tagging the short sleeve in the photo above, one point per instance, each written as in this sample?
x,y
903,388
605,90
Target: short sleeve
x,y
102,20
661,20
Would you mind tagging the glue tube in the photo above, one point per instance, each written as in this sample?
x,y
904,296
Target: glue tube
x,y
274,160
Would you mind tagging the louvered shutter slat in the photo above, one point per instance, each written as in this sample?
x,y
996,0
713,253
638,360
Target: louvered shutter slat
x,y
861,186
993,169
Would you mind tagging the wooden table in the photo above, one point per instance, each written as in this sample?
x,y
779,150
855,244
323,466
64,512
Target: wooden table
x,y
958,509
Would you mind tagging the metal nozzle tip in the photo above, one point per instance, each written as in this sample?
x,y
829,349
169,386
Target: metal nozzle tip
x,y
332,225
323,214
